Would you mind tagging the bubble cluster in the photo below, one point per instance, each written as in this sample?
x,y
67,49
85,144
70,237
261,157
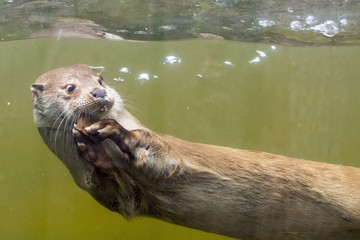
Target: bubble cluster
x,y
266,23
260,54
328,28
167,27
143,77
297,26
122,71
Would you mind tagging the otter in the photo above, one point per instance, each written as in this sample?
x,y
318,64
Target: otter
x,y
137,172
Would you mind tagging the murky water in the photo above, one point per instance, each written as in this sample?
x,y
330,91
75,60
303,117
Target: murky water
x,y
299,102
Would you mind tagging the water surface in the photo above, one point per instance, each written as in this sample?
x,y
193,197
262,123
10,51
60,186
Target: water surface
x,y
300,22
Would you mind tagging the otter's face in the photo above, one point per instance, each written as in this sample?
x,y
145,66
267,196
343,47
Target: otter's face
x,y
84,96
62,96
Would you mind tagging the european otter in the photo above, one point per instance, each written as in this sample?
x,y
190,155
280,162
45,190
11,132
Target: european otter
x,y
134,171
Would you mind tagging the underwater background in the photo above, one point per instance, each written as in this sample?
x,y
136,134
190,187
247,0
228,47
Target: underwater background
x,y
273,76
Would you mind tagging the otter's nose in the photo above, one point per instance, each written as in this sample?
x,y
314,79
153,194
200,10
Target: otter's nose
x,y
98,93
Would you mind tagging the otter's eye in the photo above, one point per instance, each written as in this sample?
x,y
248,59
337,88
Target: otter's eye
x,y
101,81
70,88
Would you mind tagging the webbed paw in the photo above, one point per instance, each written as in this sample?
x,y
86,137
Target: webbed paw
x,y
92,151
111,129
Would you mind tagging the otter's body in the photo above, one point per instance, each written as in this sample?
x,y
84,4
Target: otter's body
x,y
134,171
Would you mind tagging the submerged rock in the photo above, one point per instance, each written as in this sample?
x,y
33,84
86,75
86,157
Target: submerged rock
x,y
74,32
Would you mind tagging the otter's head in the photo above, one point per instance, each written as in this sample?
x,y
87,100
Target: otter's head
x,y
63,95
60,98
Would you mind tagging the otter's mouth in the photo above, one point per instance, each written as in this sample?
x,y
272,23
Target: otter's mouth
x,y
96,110
106,107
89,117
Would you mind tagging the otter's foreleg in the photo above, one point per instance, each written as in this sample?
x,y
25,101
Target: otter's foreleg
x,y
144,148
112,130
112,187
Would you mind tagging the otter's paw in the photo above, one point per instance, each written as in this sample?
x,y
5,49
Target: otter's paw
x,y
104,129
92,151
111,129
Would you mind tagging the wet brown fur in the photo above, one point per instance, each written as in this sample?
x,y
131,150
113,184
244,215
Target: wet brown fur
x,y
237,193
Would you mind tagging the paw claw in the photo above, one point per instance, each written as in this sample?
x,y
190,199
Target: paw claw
x,y
92,130
76,133
81,146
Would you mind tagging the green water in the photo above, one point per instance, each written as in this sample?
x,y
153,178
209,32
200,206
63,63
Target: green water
x,y
299,102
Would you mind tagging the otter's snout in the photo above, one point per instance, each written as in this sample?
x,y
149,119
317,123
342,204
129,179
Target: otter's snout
x,y
98,93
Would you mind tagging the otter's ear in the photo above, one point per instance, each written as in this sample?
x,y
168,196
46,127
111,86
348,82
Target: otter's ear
x,y
36,89
97,70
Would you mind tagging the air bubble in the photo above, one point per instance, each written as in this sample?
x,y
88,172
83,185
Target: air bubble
x,y
296,26
119,79
124,70
143,77
266,23
255,60
343,22
228,63
261,53
167,27
140,33
328,28
310,20
171,60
